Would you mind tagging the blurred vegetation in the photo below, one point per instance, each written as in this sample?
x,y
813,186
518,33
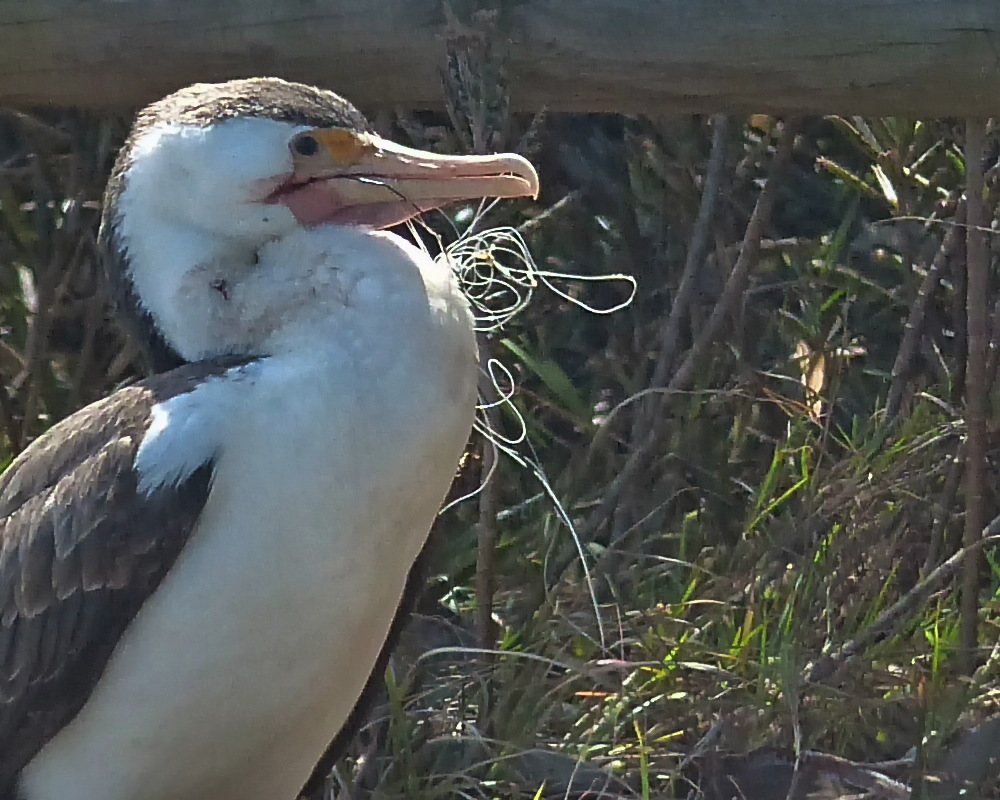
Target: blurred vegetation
x,y
799,474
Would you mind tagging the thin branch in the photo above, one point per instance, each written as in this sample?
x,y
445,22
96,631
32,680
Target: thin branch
x,y
486,530
733,290
857,774
914,328
736,284
977,305
696,254
943,508
646,415
890,621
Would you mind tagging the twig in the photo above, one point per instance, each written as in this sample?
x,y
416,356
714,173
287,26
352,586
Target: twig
x,y
637,459
645,418
696,254
942,509
890,620
46,281
8,422
486,530
993,357
560,205
794,697
977,301
739,277
914,327
858,774
959,321
93,318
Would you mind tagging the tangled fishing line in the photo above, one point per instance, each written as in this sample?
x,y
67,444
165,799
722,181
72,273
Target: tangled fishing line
x,y
499,276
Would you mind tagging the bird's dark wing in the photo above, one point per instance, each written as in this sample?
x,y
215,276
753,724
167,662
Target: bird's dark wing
x,y
80,551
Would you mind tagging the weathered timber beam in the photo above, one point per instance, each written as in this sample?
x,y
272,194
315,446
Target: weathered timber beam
x,y
902,57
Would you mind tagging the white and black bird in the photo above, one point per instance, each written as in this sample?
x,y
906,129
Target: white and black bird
x,y
199,572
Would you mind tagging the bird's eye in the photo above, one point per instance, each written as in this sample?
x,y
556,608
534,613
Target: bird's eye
x,y
305,145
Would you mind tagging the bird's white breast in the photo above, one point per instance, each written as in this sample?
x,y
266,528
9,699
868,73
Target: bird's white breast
x,y
244,664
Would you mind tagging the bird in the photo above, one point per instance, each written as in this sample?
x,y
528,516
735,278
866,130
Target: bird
x,y
201,572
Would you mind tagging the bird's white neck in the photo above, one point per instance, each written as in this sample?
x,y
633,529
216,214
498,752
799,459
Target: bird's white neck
x,y
369,293
211,295
181,276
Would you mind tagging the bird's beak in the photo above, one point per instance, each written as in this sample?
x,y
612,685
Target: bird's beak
x,y
344,177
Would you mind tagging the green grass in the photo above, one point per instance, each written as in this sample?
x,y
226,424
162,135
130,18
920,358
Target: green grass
x,y
769,527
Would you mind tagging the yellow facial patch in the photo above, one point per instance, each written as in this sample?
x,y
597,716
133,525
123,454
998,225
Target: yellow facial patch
x,y
342,145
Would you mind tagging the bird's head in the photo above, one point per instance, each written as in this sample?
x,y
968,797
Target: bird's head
x,y
211,174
